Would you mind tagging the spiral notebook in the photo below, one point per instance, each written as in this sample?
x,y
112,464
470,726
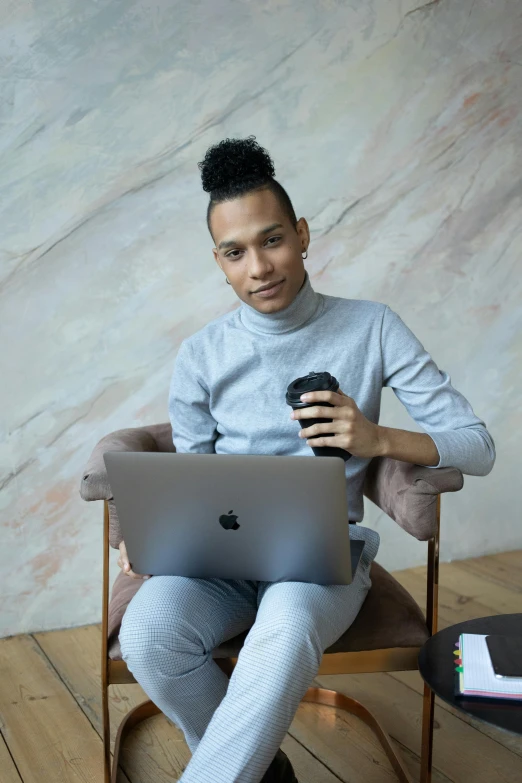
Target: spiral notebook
x,y
475,674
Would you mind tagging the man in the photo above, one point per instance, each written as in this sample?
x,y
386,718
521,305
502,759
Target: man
x,y
227,396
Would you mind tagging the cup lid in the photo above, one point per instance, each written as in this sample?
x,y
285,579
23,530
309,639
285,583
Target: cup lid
x,y
314,381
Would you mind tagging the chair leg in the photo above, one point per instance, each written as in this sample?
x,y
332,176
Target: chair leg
x,y
334,699
428,711
106,735
144,710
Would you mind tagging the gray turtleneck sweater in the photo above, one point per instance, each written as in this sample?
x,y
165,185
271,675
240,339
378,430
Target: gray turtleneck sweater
x,y
227,394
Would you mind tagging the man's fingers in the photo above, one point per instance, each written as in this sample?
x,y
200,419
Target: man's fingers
x,y
129,572
123,562
138,576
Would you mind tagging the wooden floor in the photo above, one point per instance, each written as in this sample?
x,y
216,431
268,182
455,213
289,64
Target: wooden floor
x,y
50,711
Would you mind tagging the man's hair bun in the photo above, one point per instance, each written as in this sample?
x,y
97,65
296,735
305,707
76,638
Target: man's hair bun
x,y
236,167
235,162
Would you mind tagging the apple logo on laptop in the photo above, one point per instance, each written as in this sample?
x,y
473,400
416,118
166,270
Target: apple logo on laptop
x,y
228,521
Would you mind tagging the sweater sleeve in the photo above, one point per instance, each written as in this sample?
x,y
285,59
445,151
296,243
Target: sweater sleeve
x,y
461,438
193,426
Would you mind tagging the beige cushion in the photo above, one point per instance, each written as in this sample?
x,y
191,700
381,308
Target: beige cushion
x,y
389,618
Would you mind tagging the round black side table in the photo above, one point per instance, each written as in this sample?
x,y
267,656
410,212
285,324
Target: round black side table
x,y
437,668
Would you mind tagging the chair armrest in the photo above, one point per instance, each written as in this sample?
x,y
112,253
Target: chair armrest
x,y
95,483
408,493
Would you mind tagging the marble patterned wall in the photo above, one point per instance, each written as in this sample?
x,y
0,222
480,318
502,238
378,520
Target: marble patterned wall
x,y
396,127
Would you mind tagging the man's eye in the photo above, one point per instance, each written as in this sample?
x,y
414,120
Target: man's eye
x,y
229,255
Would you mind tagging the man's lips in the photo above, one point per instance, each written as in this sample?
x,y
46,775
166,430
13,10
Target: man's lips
x,y
268,287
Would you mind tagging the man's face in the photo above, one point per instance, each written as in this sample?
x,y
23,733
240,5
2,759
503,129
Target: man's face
x,y
251,256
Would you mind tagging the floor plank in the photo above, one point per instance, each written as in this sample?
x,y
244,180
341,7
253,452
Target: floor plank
x,y
7,765
490,597
50,706
458,753
496,569
348,747
511,741
454,606
499,598
307,768
513,558
47,735
156,750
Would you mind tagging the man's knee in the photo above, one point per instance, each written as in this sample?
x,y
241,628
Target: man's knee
x,y
159,640
290,632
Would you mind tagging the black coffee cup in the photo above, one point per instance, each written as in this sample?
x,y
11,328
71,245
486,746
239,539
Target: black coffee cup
x,y
315,381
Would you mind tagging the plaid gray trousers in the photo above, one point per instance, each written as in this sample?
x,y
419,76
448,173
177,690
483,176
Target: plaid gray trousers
x,y
234,728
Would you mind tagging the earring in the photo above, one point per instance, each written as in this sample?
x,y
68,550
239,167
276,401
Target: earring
x,y
306,256
228,281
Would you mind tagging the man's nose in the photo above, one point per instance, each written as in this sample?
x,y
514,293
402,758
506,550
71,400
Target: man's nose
x,y
258,265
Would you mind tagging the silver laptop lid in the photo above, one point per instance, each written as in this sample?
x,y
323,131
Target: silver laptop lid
x,y
258,517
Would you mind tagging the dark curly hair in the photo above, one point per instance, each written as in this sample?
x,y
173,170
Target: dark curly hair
x,y
234,167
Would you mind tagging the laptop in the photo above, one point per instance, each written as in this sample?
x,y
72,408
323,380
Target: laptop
x,y
234,516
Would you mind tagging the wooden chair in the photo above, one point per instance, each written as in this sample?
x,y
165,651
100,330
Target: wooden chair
x,y
386,636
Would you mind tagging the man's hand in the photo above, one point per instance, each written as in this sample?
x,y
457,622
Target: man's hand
x,y
352,431
123,562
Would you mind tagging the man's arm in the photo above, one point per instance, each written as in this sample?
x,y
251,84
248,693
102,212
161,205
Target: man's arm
x,y
408,446
194,430
455,436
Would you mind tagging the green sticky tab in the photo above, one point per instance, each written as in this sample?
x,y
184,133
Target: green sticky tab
x,y
459,669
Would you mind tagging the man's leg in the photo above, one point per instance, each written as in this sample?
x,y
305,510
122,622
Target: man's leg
x,y
167,636
295,623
